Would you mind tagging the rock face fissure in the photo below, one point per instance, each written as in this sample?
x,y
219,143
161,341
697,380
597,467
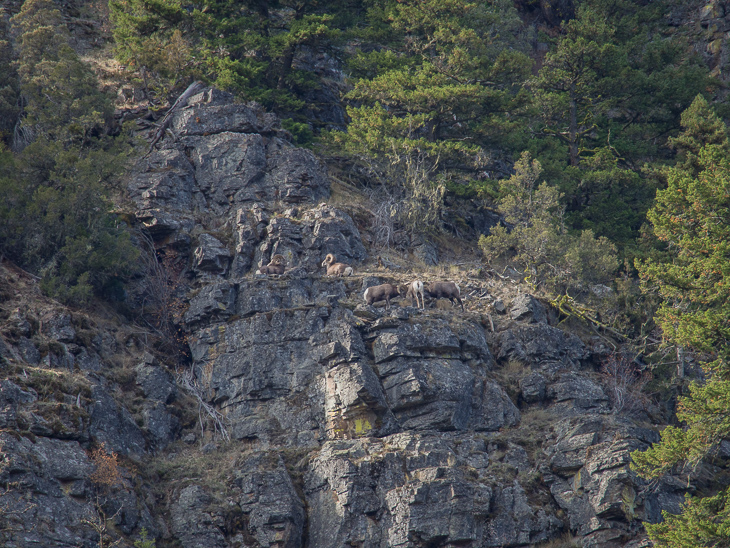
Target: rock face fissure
x,y
350,425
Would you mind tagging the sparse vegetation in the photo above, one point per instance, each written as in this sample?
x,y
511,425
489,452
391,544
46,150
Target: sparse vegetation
x,y
624,382
566,540
537,239
595,137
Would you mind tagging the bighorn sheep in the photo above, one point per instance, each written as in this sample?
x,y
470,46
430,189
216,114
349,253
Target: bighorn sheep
x,y
383,292
275,266
414,289
336,269
445,290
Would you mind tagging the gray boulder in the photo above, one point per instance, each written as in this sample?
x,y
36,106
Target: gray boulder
x,y
214,302
193,523
227,155
527,308
161,425
114,425
11,396
156,383
409,489
60,327
210,255
306,240
541,346
275,513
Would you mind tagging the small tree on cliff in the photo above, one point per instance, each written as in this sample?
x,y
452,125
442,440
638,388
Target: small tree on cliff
x,y
537,240
104,478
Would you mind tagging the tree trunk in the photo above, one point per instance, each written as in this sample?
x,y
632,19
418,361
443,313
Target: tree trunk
x,y
192,89
573,128
680,362
286,64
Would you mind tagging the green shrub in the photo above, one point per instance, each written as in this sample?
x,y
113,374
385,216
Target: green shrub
x,y
55,219
537,240
144,542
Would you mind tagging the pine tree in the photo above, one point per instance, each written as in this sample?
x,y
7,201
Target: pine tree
x,y
432,87
700,127
54,216
9,88
248,48
60,93
692,216
568,87
610,92
448,78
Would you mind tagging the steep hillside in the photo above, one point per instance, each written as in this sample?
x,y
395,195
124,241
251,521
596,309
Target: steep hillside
x,y
302,416
171,396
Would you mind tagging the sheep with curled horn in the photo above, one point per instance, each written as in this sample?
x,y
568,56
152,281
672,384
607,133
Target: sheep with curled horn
x,y
412,290
277,265
445,290
383,292
336,269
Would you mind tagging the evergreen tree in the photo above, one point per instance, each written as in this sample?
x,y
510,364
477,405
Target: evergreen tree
x,y
448,79
569,86
610,92
700,127
60,93
54,217
424,107
537,240
9,89
692,216
248,48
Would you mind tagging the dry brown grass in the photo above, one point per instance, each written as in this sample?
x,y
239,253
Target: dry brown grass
x,y
566,540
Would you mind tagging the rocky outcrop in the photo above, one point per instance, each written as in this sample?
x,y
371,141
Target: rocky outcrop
x,y
226,155
591,481
292,344
48,498
301,416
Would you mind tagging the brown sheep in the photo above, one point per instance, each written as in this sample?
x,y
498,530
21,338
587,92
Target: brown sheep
x,y
383,292
275,266
445,290
335,268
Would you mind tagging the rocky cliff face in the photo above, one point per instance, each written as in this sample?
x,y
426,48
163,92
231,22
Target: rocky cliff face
x,y
304,417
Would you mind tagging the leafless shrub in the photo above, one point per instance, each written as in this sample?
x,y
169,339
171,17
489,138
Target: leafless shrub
x,y
410,191
163,302
99,522
384,215
105,477
206,412
23,135
12,508
624,383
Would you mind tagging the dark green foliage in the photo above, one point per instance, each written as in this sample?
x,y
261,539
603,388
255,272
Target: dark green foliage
x,y
704,522
9,87
448,80
429,99
607,198
609,94
568,88
144,541
59,91
301,131
54,217
248,48
536,239
692,215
